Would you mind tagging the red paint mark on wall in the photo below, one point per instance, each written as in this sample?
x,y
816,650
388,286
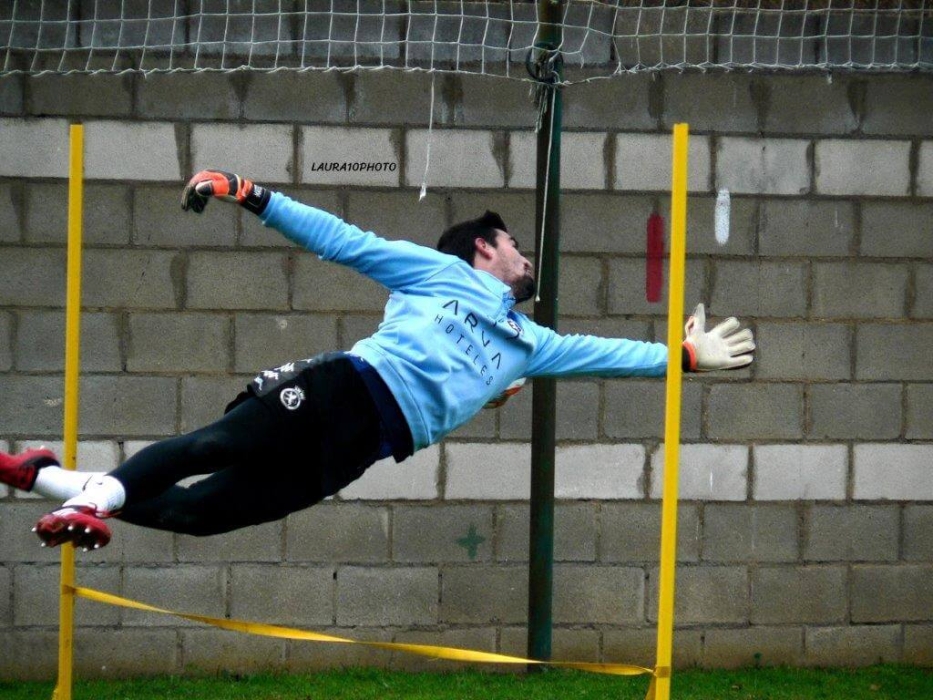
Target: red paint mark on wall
x,y
654,260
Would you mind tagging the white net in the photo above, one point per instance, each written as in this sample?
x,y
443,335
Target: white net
x,y
603,37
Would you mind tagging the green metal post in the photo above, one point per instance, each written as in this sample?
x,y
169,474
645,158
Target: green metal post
x,y
544,400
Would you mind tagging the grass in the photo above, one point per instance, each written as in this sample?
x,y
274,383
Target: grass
x,y
874,683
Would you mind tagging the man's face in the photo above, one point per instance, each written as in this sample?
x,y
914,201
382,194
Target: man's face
x,y
512,267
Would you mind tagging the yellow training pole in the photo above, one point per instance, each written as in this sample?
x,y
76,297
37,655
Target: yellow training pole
x,y
72,369
661,684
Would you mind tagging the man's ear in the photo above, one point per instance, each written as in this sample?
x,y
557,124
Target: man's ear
x,y
482,247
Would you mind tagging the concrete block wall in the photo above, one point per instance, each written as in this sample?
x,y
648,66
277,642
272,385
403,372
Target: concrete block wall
x,y
806,521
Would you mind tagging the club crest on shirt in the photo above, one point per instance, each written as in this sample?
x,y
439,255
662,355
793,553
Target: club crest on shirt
x,y
292,397
515,327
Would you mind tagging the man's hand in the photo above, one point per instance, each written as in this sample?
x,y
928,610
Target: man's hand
x,y
724,347
227,186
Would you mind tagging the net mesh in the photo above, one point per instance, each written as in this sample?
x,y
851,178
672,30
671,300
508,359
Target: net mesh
x,y
602,37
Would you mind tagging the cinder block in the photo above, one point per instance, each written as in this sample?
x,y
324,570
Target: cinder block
x,y
839,167
34,148
286,595
855,411
216,281
417,478
203,398
754,646
892,352
799,472
705,595
32,277
13,208
862,645
749,533
575,532
759,289
268,160
895,105
444,533
36,592
107,218
918,645
852,533
127,406
896,229
481,427
80,95
892,593
6,597
459,158
191,589
802,594
699,101
272,99
264,341
807,228
338,532
184,97
116,150
217,651
32,405
604,223
631,532
493,472
4,489
466,599
402,215
639,646
583,163
922,306
701,239
303,657
137,545
388,596
859,290
154,340
644,161
577,412
582,287
829,106
925,169
599,471
159,221
148,279
479,101
588,594
802,351
11,94
763,166
403,99
125,653
635,409
260,543
29,654
892,472
626,289
19,546
707,472
6,341
755,412
333,155
918,533
323,286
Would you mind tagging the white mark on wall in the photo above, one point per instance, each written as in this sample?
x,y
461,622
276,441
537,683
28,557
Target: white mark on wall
x,y
723,208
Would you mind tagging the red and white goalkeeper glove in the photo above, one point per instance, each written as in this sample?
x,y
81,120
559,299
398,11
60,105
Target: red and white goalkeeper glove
x,y
727,346
227,186
506,394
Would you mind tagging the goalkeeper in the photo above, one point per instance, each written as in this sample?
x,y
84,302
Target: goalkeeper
x,y
450,343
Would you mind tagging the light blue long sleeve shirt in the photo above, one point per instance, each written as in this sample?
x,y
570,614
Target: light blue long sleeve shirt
x,y
451,340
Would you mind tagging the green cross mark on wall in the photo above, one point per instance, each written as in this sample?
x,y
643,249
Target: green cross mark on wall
x,y
471,542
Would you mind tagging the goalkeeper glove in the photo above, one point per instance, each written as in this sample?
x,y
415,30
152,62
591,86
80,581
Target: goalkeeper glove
x,y
506,394
724,347
226,186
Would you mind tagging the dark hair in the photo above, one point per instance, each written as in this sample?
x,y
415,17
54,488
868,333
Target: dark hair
x,y
459,239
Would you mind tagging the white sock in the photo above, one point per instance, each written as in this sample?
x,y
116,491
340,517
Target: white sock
x,y
104,493
59,484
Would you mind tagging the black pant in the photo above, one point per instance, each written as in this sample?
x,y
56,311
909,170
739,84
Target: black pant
x,y
264,459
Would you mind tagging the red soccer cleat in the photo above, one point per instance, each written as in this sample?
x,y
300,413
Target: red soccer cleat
x,y
20,471
81,525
